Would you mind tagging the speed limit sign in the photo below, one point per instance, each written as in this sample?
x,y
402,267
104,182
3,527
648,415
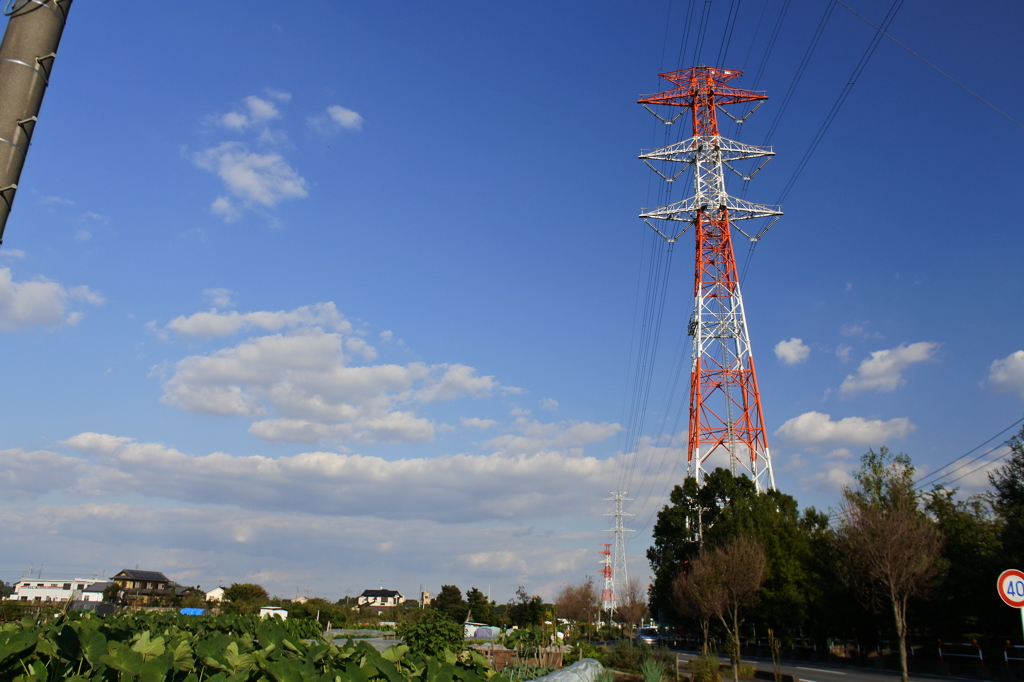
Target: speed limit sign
x,y
1011,587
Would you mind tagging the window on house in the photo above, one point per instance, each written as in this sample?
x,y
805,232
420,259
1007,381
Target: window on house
x,y
67,586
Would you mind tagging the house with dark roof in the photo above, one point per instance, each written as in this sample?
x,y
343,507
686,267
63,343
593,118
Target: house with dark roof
x,y
388,598
142,587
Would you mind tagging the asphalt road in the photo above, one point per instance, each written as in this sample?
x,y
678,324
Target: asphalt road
x,y
823,672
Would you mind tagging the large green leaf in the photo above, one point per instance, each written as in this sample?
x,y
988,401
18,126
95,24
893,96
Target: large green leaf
x,y
94,645
181,655
237,662
148,647
394,653
14,643
121,658
68,644
156,668
284,671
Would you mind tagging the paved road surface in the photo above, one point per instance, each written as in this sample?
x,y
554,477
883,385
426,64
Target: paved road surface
x,y
823,672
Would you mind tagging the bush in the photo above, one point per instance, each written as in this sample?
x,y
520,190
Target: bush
x,y
431,633
705,669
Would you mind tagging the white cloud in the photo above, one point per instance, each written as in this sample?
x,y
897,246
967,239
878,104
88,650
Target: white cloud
x,y
477,423
1007,375
843,352
214,323
24,475
858,330
220,543
346,118
257,111
792,352
13,253
279,95
254,179
815,428
533,436
335,118
450,488
39,303
220,297
549,404
883,371
83,235
302,386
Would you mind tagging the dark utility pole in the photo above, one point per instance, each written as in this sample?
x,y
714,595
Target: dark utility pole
x,y
26,60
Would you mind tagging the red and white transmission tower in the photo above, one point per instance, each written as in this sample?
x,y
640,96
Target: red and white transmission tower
x,y
608,593
725,404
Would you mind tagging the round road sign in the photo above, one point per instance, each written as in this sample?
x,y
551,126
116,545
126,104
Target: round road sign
x,y
1011,587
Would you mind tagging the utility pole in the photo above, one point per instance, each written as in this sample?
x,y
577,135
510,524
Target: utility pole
x,y
27,53
726,419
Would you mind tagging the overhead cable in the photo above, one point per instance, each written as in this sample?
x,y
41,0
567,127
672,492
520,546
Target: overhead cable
x,y
955,81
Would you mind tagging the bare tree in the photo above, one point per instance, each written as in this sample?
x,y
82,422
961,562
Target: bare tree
x,y
632,602
578,603
692,595
889,548
721,582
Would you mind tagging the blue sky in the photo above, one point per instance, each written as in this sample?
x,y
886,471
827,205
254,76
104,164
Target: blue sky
x,y
344,296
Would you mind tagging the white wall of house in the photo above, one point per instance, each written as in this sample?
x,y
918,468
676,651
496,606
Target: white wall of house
x,y
51,590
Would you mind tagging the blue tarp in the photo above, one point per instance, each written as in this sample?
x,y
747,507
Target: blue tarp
x,y
195,612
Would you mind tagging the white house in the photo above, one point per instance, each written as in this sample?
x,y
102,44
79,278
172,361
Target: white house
x,y
216,594
379,598
79,589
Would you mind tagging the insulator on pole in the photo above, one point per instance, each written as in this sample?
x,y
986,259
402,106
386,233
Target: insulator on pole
x,y
726,419
27,53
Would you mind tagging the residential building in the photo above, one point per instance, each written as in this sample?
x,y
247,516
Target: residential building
x,y
142,587
380,597
216,594
35,590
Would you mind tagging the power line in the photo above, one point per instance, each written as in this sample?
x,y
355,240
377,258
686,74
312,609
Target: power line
x,y
800,70
958,83
840,100
920,483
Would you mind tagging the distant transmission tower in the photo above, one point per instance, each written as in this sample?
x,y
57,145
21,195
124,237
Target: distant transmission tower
x,y
608,593
618,573
725,403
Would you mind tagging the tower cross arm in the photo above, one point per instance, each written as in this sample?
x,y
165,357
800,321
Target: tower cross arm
x,y
687,150
687,210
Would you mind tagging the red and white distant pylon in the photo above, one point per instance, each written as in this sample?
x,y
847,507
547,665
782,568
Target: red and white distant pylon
x,y
726,419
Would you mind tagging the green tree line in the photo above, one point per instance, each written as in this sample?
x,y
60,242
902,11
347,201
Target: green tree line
x,y
818,577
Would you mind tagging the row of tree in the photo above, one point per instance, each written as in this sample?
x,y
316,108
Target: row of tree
x,y
893,560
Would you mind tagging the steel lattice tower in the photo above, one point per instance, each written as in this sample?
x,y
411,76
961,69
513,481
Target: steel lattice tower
x,y
608,593
725,403
618,572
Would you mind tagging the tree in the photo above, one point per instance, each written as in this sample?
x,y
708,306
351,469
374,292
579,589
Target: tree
x,y
889,548
246,597
971,559
449,600
679,531
632,603
726,507
578,603
1008,480
726,579
479,607
693,594
112,593
525,610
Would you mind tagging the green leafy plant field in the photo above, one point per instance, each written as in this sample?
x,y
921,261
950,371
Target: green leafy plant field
x,y
160,647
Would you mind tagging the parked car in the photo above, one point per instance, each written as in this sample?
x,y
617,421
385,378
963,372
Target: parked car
x,y
648,636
